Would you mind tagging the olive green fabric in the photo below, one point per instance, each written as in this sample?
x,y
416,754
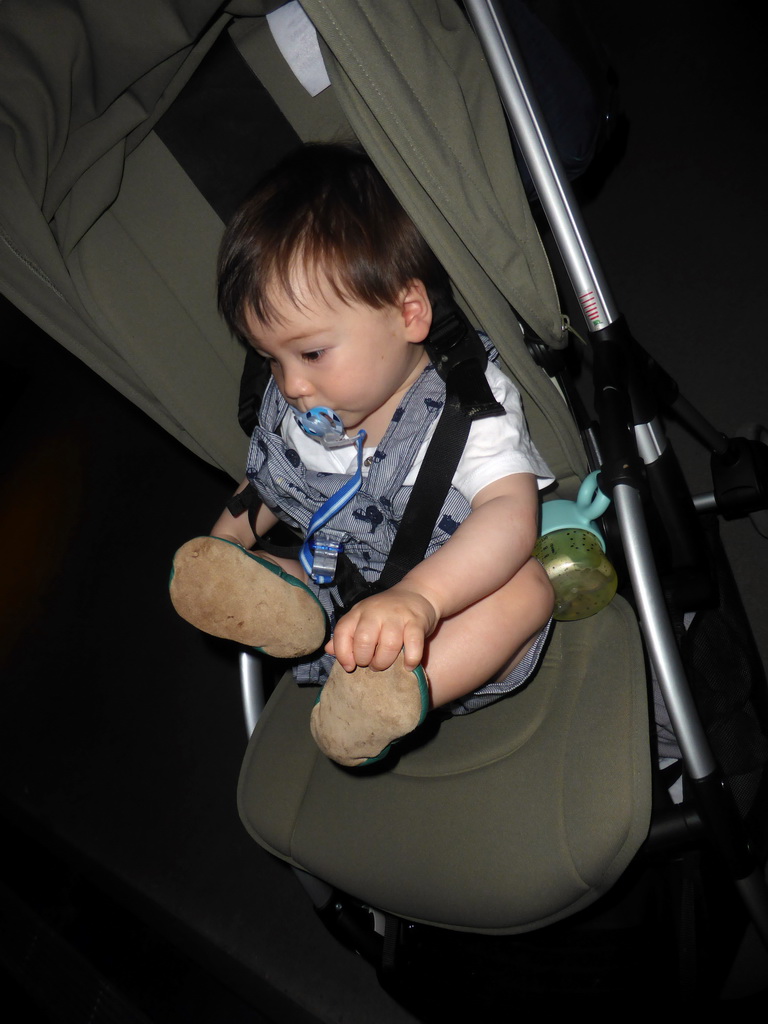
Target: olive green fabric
x,y
110,249
81,84
503,821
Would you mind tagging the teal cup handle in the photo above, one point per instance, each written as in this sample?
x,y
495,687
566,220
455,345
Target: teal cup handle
x,y
577,515
591,502
572,551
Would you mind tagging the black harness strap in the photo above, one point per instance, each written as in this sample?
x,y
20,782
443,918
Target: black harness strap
x,y
424,504
428,494
459,357
453,345
247,501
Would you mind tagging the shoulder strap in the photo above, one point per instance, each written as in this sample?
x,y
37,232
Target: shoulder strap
x,y
460,358
430,490
452,343
424,504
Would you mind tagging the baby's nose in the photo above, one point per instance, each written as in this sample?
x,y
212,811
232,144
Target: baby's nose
x,y
295,385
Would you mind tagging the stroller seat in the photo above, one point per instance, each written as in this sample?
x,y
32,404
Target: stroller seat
x,y
504,820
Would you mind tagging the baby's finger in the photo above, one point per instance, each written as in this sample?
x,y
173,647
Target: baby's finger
x,y
341,644
413,646
389,645
365,642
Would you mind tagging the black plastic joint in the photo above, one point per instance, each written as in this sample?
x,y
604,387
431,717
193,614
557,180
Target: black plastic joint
x,y
740,477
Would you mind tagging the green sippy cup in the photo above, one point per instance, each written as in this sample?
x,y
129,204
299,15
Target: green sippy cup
x,y
572,551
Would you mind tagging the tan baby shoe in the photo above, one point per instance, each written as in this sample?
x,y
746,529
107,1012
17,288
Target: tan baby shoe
x,y
359,714
229,592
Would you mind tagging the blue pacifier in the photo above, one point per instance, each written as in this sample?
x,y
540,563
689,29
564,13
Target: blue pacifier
x,y
322,547
324,425
572,551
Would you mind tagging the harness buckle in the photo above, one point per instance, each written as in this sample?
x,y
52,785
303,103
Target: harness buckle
x,y
326,547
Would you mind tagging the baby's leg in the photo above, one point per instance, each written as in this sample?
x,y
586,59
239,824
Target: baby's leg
x,y
488,639
361,712
291,566
240,595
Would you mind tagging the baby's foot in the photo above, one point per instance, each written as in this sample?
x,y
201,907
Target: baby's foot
x,y
229,592
359,714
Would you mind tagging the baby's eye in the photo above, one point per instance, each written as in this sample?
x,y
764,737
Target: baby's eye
x,y
312,357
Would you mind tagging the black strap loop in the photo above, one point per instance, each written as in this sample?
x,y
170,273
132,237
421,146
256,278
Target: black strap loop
x,y
247,501
452,343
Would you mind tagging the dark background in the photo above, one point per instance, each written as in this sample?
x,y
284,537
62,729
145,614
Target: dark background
x,y
126,870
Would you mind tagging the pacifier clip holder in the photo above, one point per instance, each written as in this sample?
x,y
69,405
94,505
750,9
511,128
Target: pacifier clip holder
x,y
321,548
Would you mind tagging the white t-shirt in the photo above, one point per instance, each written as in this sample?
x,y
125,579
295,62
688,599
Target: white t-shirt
x,y
497,446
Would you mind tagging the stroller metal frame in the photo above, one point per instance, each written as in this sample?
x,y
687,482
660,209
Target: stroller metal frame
x,y
621,469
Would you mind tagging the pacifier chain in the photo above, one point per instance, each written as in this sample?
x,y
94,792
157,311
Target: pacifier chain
x,y
321,548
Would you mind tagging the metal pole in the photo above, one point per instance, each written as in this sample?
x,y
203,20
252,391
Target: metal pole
x,y
552,185
656,627
251,688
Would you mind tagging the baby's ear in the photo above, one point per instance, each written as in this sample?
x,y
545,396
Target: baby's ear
x,y
417,311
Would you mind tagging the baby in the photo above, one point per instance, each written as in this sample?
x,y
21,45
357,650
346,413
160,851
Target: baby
x,y
324,274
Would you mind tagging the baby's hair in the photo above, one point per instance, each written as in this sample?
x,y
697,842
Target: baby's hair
x,y
327,210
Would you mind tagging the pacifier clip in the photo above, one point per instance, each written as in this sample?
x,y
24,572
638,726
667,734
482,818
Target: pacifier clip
x,y
321,548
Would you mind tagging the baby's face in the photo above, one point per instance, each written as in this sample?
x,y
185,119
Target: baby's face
x,y
356,360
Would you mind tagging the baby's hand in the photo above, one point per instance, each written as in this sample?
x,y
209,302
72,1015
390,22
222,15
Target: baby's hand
x,y
375,631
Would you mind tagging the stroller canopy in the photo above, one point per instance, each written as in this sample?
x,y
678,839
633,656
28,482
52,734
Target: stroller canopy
x,y
117,265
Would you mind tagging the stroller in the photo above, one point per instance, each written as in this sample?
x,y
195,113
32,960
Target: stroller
x,y
537,811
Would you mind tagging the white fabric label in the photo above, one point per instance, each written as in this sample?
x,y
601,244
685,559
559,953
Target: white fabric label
x,y
296,39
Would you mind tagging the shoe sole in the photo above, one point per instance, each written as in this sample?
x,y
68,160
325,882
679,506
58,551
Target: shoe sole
x,y
229,592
